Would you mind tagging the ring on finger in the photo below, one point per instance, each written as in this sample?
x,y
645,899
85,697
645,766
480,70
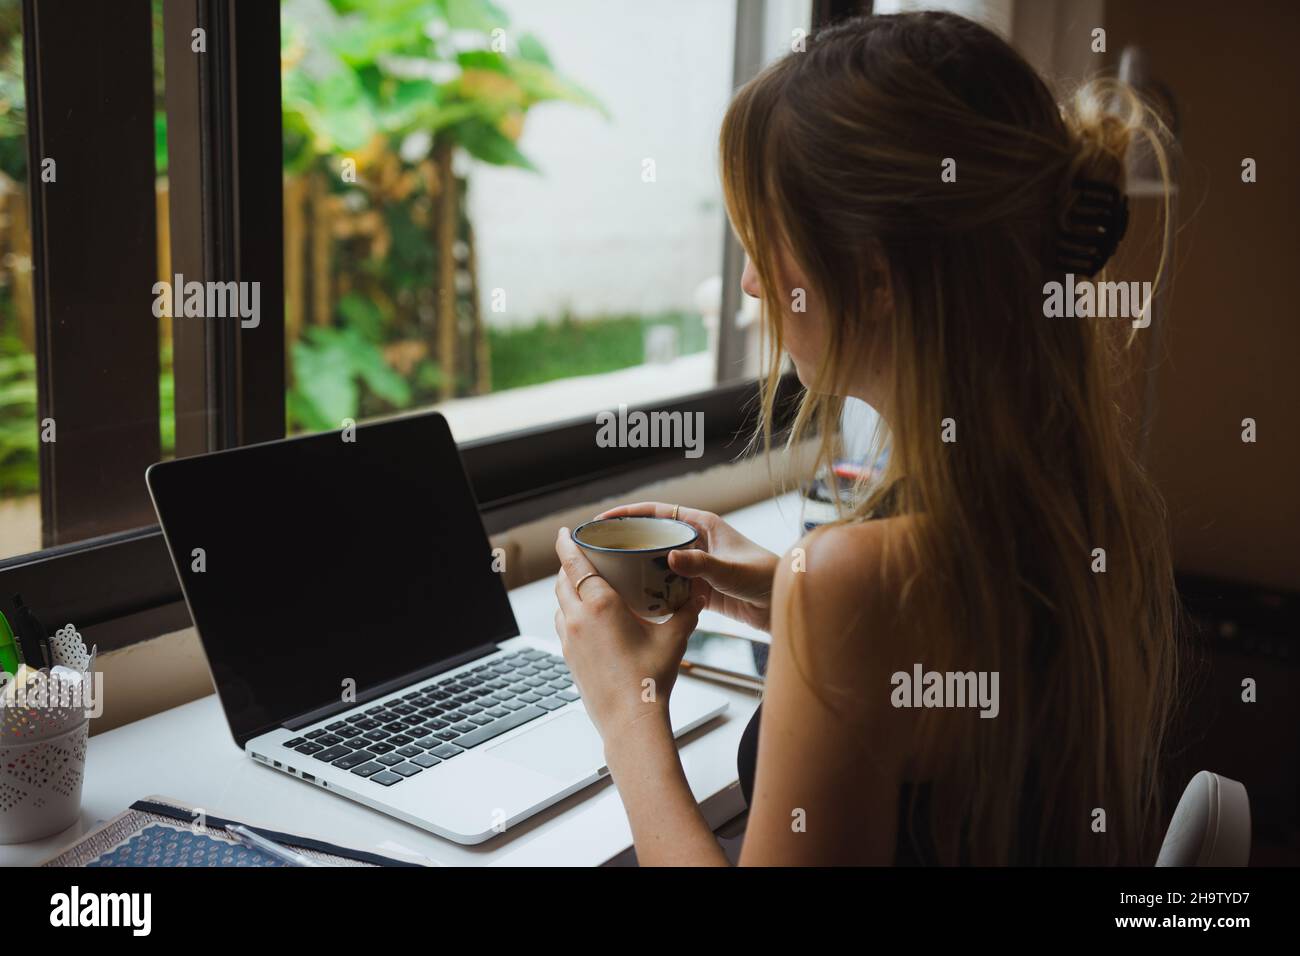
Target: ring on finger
x,y
577,587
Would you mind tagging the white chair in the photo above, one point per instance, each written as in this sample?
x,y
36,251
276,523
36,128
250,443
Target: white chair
x,y
1211,825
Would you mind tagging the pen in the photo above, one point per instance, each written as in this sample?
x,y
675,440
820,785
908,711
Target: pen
x,y
726,676
269,847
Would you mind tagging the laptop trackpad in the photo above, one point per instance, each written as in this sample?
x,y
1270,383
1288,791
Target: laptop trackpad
x,y
565,748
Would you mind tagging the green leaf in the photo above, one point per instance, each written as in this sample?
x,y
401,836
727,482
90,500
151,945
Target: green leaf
x,y
384,381
367,36
363,315
405,103
167,411
299,410
541,83
344,116
329,367
482,60
484,141
424,9
531,49
475,15
160,143
428,376
18,394
495,94
324,379
21,364
19,432
441,117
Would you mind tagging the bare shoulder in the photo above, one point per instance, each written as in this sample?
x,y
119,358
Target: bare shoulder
x,y
840,591
850,574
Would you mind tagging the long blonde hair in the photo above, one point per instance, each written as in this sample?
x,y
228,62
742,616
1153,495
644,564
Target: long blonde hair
x,y
836,153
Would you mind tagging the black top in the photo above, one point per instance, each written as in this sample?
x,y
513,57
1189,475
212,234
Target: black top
x,y
914,846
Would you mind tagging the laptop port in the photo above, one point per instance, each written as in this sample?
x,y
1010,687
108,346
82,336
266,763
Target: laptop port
x,y
277,764
308,777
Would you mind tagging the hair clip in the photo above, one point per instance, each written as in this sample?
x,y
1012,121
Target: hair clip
x,y
1094,225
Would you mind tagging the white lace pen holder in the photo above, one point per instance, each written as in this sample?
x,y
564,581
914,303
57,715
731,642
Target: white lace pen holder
x,y
44,730
40,784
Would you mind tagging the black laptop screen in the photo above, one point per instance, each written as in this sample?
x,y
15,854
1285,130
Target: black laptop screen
x,y
329,565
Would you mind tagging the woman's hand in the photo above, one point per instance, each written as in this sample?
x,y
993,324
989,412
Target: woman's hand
x,y
736,573
624,666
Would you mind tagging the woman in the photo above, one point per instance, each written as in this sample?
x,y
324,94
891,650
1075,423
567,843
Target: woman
x,y
905,191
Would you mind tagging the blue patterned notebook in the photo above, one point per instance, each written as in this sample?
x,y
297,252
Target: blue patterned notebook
x,y
159,832
166,845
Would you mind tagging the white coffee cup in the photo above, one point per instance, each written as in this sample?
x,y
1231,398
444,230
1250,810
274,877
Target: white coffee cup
x,y
631,553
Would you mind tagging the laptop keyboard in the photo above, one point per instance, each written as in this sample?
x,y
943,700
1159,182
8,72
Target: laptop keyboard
x,y
396,739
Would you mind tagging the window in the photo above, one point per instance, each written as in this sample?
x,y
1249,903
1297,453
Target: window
x,y
521,228
84,377
503,209
100,383
991,13
20,513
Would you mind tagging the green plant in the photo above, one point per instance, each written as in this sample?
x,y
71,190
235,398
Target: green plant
x,y
375,92
386,85
13,113
167,403
331,364
357,69
19,438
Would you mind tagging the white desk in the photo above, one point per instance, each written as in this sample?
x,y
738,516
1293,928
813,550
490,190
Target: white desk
x,y
187,753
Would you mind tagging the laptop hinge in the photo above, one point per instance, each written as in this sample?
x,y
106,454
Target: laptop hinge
x,y
387,687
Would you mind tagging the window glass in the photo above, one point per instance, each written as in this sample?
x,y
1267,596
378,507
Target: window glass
x,y
578,264
21,430
20,511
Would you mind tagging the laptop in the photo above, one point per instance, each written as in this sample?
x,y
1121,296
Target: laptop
x,y
360,637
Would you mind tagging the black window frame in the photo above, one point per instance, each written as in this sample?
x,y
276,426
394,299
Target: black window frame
x,y
225,209
94,258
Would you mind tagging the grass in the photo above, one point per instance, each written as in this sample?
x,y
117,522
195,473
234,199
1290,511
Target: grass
x,y
546,351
